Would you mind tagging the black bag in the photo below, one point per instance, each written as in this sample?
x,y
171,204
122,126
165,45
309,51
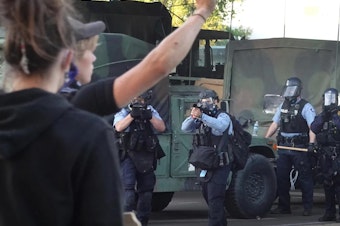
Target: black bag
x,y
238,144
144,161
153,145
204,157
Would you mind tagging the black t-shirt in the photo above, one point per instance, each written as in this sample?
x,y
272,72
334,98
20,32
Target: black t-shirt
x,y
96,97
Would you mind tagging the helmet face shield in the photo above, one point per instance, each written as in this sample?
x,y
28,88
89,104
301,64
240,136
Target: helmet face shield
x,y
330,98
291,91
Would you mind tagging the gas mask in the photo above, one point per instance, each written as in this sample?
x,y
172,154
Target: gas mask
x,y
208,106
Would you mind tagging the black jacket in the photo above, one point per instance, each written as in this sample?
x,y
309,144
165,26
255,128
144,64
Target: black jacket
x,y
58,164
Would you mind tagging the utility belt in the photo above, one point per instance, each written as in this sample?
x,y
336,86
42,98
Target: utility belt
x,y
300,140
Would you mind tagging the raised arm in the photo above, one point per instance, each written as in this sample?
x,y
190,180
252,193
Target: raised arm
x,y
161,60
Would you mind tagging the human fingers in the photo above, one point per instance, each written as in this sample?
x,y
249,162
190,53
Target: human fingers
x,y
196,113
205,7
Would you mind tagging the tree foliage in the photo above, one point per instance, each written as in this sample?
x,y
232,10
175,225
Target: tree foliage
x,y
220,20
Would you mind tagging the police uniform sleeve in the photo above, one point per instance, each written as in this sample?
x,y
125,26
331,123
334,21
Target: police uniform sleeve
x,y
189,125
219,124
308,112
277,115
96,98
155,112
316,125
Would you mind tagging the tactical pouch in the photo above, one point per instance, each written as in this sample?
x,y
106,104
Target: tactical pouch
x,y
201,140
133,141
204,157
137,142
151,143
122,141
159,152
153,146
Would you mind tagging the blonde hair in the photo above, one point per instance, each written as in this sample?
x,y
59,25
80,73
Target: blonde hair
x,y
86,44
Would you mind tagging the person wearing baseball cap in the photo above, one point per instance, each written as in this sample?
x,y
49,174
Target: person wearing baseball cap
x,y
84,31
86,36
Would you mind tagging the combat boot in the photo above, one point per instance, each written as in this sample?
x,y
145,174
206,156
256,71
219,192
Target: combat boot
x,y
327,217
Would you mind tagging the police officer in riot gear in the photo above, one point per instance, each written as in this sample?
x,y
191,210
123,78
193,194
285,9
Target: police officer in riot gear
x,y
210,123
294,118
326,126
139,151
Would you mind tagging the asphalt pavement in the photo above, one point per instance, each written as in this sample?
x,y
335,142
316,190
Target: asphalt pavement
x,y
189,209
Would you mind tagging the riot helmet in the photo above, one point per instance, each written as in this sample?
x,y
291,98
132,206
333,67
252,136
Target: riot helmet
x,y
207,101
292,89
330,98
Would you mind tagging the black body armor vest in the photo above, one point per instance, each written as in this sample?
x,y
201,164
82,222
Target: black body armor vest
x,y
140,136
329,134
204,136
291,118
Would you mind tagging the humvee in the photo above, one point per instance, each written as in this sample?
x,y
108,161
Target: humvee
x,y
141,26
248,76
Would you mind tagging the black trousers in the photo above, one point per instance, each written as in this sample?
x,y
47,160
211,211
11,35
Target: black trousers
x,y
214,194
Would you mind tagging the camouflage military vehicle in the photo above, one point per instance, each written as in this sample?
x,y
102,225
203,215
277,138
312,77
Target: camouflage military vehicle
x,y
248,76
133,30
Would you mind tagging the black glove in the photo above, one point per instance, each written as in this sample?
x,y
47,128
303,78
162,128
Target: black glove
x,y
135,113
333,110
325,115
146,114
312,149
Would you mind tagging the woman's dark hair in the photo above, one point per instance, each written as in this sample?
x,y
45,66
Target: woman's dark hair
x,y
36,30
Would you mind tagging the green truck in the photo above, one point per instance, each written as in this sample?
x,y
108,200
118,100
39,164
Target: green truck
x,y
133,29
248,75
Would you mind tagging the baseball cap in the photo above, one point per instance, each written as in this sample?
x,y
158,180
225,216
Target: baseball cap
x,y
86,30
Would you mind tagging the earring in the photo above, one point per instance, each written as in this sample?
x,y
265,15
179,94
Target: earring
x,y
24,60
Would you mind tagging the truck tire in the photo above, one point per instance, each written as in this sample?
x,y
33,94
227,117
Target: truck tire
x,y
160,200
252,190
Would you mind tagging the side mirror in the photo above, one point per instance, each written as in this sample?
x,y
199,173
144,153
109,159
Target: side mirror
x,y
224,105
